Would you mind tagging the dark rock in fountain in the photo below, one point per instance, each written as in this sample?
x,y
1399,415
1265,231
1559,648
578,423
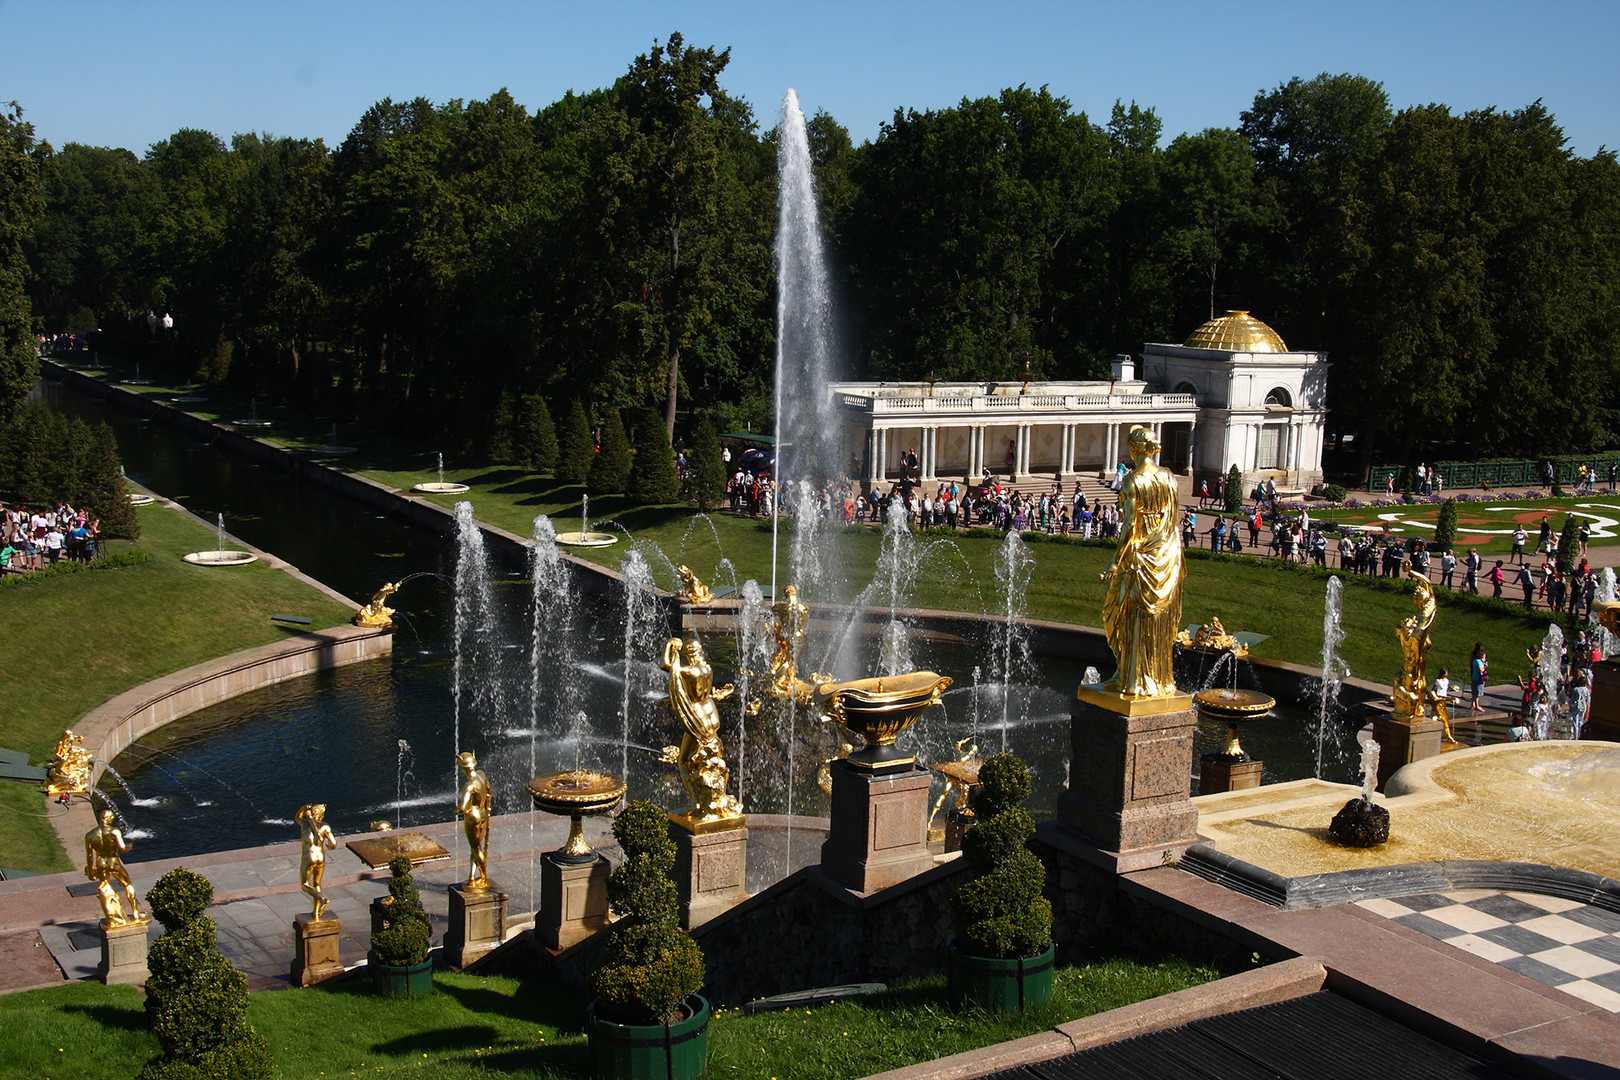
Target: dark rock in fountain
x,y
1360,823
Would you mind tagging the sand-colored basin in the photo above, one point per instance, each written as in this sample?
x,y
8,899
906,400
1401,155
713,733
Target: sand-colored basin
x,y
586,540
433,487
221,558
1555,803
136,498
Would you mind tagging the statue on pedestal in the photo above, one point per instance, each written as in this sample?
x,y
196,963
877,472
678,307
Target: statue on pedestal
x,y
69,770
1142,610
692,698
473,808
1411,691
316,836
104,847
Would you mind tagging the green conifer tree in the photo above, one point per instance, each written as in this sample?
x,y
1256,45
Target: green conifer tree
x,y
1569,544
653,478
106,494
705,470
1445,530
1234,489
610,472
539,445
502,447
576,450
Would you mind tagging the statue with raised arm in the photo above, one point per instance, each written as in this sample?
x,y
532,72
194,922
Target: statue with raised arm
x,y
692,591
1411,691
692,698
1142,609
317,839
104,848
791,617
69,770
473,808
377,613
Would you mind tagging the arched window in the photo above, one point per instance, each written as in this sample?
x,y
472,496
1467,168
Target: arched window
x,y
1185,387
1281,398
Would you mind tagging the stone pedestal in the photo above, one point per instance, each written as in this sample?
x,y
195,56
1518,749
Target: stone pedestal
x,y
477,924
1130,777
573,900
315,950
1218,773
123,954
1603,722
1401,742
878,835
709,869
957,823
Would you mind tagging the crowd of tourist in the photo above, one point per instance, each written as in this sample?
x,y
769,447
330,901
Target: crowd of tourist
x,y
31,540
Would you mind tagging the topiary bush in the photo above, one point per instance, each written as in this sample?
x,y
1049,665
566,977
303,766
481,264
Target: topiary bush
x,y
575,447
538,448
610,472
653,478
1234,489
705,468
196,1003
1569,544
404,940
1445,529
651,966
999,911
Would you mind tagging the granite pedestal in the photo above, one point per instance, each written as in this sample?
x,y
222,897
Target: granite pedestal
x,y
1218,773
1401,742
573,900
709,869
315,950
878,835
477,924
1130,777
123,954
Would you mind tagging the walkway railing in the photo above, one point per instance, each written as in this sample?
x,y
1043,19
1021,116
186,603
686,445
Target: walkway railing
x,y
1023,403
1496,474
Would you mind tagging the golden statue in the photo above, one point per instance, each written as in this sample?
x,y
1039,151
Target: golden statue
x,y
317,839
824,774
473,808
104,847
692,697
961,777
1212,636
69,770
1411,691
1142,611
377,613
692,591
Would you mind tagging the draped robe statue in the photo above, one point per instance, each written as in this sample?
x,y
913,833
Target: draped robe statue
x,y
1142,610
692,697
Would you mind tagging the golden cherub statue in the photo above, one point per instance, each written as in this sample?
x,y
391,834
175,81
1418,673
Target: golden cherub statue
x,y
316,836
69,770
1212,636
692,698
473,808
692,591
377,613
1142,610
104,847
1411,692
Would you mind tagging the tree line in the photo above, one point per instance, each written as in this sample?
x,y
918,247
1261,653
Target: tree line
x,y
448,266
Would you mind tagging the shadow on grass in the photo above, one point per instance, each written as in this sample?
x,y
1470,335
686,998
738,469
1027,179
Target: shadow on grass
x,y
111,1016
464,1037
537,1001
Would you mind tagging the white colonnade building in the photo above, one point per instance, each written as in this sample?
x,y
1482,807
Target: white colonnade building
x,y
1232,393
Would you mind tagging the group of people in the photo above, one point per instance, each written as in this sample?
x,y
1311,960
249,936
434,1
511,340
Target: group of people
x,y
30,540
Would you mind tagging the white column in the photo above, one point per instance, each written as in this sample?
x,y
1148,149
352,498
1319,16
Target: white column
x,y
882,454
976,451
930,441
1022,469
1192,447
1065,434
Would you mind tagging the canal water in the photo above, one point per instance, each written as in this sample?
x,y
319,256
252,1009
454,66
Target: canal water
x,y
375,741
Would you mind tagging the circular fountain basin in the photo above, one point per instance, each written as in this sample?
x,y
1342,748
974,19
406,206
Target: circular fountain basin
x,y
137,498
576,791
189,399
440,488
136,382
1233,705
333,451
587,540
221,558
252,422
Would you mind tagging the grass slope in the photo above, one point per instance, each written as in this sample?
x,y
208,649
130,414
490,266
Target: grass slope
x,y
71,642
535,1028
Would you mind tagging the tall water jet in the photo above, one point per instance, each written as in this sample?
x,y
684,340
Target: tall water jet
x,y
803,333
477,691
752,649
1014,566
1334,669
1550,673
554,690
1604,593
640,614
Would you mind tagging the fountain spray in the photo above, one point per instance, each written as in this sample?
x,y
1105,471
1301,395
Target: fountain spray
x,y
1334,669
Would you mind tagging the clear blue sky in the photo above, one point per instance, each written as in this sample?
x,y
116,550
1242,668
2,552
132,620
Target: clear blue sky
x,y
129,73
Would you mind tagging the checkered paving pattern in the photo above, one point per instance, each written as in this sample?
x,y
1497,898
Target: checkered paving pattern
x,y
1563,943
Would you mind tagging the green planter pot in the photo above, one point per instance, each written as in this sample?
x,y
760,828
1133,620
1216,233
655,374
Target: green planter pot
x,y
408,981
678,1051
997,985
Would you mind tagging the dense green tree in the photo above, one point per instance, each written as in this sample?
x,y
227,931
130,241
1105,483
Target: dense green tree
x,y
538,439
503,442
21,205
1569,544
610,472
1445,529
1209,209
653,477
706,469
576,449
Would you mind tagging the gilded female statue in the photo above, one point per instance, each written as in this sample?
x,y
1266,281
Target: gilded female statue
x,y
1142,610
473,808
316,836
692,697
1410,688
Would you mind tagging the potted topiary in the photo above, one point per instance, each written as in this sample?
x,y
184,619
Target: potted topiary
x,y
399,961
647,1019
1001,957
196,1003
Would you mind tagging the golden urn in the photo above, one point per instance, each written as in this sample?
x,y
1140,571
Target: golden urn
x,y
576,793
879,710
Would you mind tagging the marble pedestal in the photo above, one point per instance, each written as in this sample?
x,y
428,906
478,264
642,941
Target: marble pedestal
x,y
1217,773
477,924
709,870
1130,777
573,900
1401,742
123,954
315,950
878,835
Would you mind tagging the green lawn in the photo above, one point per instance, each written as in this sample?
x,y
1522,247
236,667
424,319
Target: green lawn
x,y
83,638
498,1026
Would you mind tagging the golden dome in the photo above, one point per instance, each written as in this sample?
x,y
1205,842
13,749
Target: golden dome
x,y
1236,331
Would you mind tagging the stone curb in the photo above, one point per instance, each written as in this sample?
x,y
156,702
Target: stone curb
x,y
1282,981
